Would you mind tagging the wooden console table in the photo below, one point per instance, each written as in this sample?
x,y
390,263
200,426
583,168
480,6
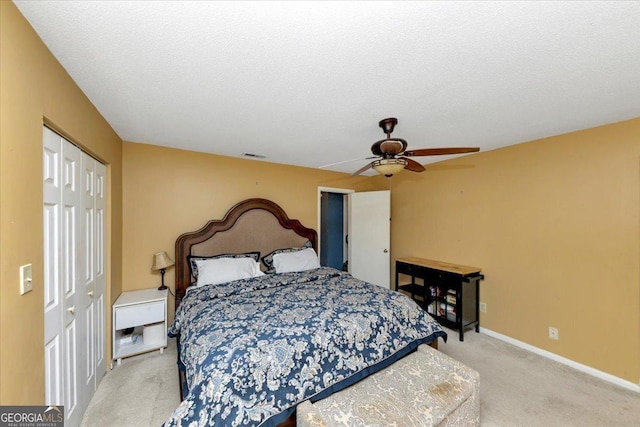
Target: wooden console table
x,y
448,292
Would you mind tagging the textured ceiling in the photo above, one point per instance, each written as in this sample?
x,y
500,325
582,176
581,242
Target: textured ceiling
x,y
305,83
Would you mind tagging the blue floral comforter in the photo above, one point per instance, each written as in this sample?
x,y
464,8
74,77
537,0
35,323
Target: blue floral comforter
x,y
253,349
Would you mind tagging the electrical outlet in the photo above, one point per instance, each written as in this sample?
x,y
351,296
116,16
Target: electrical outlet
x,y
483,307
26,279
553,333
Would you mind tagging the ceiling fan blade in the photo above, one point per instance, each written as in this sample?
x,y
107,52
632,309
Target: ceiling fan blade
x,y
441,151
412,165
363,169
346,161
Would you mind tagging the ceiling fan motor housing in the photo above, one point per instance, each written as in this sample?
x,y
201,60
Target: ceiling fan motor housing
x,y
389,147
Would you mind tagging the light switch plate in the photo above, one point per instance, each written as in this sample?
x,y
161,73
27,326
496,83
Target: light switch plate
x,y
26,279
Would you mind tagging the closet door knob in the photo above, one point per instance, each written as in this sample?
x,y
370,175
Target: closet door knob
x,y
385,251
71,310
90,293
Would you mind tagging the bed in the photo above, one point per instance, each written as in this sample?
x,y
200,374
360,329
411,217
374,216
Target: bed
x,y
251,349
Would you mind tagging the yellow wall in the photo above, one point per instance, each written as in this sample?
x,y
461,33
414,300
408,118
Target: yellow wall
x,y
169,192
555,226
34,88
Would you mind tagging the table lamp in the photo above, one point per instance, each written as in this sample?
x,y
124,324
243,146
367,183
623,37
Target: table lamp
x,y
161,261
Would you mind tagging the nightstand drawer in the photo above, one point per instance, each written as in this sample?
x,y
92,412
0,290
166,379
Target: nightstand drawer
x,y
139,314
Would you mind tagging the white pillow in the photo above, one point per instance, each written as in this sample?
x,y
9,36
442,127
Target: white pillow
x,y
287,262
221,270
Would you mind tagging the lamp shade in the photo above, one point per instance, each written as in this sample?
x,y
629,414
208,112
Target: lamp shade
x,y
161,261
388,167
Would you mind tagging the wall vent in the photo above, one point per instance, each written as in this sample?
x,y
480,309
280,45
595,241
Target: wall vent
x,y
255,156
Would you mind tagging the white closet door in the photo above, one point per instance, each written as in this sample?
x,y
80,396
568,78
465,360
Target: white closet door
x,y
100,274
86,285
73,323
93,269
53,306
74,275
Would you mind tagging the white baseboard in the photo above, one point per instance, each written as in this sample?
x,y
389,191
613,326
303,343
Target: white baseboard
x,y
575,365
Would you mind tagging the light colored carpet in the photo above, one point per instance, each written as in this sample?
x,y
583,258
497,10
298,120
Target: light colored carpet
x,y
520,388
143,391
517,388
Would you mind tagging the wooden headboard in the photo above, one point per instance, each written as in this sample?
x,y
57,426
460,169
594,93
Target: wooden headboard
x,y
251,225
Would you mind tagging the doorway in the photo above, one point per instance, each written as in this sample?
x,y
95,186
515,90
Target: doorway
x,y
363,243
333,222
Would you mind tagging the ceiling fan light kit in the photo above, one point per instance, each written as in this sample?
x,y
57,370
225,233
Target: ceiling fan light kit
x,y
394,157
388,167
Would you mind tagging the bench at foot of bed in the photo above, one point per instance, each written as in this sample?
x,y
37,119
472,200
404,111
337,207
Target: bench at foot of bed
x,y
426,388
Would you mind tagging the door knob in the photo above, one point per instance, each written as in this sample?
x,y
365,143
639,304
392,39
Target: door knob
x,y
71,310
385,251
90,293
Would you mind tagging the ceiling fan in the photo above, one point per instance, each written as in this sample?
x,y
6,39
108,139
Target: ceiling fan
x,y
394,157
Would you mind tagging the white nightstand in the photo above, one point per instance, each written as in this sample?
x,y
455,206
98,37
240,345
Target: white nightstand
x,y
146,312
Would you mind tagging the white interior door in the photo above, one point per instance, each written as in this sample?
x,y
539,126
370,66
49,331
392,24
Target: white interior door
x,y
86,282
74,275
93,276
53,305
73,324
369,236
100,277
62,246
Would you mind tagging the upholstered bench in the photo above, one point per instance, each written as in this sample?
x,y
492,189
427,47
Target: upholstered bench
x,y
426,388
